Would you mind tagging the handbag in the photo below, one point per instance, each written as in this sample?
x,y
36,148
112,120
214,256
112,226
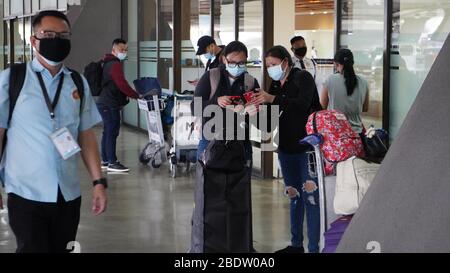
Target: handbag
x,y
375,146
353,178
225,156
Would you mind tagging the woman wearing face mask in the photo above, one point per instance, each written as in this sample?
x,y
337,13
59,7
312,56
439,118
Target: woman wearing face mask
x,y
295,92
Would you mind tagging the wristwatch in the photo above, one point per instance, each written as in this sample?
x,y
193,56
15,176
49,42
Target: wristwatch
x,y
101,181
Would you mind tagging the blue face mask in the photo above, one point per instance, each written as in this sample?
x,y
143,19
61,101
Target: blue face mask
x,y
236,71
209,56
276,72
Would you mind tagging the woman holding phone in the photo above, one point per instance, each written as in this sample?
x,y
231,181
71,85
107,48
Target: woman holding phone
x,y
295,92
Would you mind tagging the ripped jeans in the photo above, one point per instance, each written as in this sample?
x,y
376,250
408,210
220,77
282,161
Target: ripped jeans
x,y
295,172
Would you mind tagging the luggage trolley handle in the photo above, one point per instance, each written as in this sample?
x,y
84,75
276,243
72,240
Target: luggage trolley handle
x,y
315,141
151,105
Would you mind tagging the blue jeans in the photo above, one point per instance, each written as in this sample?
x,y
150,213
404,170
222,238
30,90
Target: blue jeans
x,y
204,143
111,130
295,172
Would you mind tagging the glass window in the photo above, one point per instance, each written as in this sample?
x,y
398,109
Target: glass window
x,y
27,7
363,33
419,31
27,35
49,4
62,4
165,62
17,7
148,47
130,115
35,5
6,12
250,33
7,44
224,32
19,41
195,23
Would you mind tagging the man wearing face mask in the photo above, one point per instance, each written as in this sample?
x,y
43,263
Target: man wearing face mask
x,y
50,120
300,60
208,47
113,98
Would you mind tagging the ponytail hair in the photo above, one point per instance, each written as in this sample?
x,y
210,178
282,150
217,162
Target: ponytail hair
x,y
345,58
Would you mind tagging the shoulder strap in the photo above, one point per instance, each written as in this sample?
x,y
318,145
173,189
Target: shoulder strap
x,y
78,80
249,82
16,81
214,78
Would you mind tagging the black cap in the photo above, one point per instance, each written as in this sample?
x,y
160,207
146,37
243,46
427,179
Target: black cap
x,y
203,43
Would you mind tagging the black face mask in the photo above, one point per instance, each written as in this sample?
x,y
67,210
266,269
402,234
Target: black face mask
x,y
55,50
301,51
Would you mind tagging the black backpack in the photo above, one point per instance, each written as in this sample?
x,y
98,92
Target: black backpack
x,y
94,75
16,81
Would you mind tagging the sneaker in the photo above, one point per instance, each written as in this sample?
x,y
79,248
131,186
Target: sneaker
x,y
291,249
117,167
105,166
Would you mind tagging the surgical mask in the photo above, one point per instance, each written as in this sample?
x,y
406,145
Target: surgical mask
x,y
301,52
54,51
276,72
121,56
209,56
236,71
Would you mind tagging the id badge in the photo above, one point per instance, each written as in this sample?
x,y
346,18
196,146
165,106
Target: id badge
x,y
65,143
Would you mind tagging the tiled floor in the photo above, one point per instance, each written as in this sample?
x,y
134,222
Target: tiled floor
x,y
150,212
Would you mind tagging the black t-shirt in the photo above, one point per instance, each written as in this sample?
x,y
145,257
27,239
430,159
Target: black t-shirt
x,y
297,99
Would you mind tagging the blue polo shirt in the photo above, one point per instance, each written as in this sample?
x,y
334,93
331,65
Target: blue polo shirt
x,y
33,167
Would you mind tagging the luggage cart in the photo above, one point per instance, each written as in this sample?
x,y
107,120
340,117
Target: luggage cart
x,y
316,170
155,152
185,134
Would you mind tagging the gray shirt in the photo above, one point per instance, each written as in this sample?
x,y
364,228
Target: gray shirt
x,y
351,106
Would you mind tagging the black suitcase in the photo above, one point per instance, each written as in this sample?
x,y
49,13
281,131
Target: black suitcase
x,y
222,221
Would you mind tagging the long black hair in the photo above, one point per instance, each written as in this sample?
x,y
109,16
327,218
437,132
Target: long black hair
x,y
345,57
281,53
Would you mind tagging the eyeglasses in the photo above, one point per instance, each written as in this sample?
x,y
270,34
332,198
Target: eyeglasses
x,y
52,35
233,65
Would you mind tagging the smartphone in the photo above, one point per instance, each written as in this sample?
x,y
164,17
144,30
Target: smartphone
x,y
236,100
249,96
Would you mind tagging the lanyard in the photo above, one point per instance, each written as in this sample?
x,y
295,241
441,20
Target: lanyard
x,y
51,105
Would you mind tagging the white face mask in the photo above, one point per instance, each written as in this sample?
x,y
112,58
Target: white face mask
x,y
276,72
121,56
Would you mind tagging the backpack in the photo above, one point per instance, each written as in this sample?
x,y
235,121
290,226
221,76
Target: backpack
x,y
16,82
340,142
215,75
94,76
